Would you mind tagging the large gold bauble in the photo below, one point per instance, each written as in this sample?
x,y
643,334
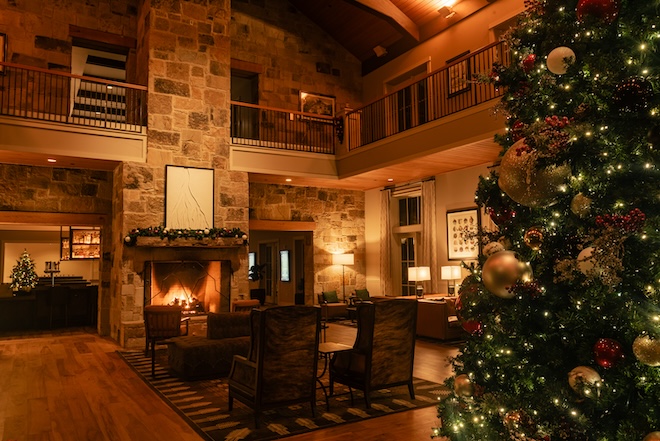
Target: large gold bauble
x,y
647,350
534,237
524,183
463,386
581,205
653,436
556,60
584,381
502,270
585,260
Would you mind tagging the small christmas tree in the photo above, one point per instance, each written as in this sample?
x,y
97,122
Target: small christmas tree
x,y
23,275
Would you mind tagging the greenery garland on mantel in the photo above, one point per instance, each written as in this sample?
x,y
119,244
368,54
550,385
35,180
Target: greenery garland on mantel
x,y
183,233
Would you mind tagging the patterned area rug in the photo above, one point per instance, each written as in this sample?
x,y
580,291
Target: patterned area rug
x,y
203,404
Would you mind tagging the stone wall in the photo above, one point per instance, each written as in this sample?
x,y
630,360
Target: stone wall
x,y
339,217
296,55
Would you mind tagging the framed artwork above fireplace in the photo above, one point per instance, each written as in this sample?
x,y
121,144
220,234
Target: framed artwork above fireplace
x,y
188,197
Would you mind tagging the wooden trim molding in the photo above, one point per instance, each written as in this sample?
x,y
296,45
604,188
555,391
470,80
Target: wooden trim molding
x,y
246,66
42,218
103,37
274,225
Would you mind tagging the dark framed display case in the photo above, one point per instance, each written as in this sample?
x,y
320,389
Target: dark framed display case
x,y
81,244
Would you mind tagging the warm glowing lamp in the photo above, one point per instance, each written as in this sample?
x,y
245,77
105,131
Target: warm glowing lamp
x,y
450,274
419,274
343,260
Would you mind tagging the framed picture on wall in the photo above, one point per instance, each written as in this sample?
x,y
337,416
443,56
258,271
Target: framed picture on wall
x,y
317,104
462,234
188,197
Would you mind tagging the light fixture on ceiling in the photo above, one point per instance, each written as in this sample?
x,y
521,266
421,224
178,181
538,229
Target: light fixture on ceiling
x,y
446,8
288,179
52,160
380,51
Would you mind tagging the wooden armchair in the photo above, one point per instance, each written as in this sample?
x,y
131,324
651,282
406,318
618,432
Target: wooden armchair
x,y
281,366
384,349
160,323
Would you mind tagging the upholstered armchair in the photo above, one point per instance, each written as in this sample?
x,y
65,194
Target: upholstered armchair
x,y
280,368
384,349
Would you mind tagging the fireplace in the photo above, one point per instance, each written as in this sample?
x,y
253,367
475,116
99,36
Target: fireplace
x,y
195,285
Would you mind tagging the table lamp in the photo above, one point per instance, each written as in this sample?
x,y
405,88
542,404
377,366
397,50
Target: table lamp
x,y
419,274
450,274
343,260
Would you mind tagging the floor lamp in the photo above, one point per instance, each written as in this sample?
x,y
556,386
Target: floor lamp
x,y
450,274
343,260
419,274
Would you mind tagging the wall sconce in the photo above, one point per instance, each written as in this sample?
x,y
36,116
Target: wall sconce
x,y
343,260
451,274
445,8
419,274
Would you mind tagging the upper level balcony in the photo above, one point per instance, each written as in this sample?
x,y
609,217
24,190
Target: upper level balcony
x,y
55,113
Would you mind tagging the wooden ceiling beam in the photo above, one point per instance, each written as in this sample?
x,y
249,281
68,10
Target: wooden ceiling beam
x,y
393,15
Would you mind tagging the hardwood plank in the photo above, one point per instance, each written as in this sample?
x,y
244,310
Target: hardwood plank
x,y
72,385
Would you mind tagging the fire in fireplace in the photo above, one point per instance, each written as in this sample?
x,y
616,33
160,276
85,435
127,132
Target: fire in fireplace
x,y
194,285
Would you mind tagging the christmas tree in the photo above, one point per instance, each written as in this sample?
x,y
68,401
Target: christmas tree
x,y
23,275
562,309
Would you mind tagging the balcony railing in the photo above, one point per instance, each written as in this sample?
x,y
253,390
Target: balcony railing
x,y
261,126
45,95
448,90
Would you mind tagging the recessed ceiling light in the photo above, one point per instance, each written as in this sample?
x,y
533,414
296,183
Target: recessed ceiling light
x,y
390,179
52,160
288,179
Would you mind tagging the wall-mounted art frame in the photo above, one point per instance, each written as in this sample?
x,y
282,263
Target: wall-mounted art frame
x,y
3,51
458,80
317,103
188,197
462,234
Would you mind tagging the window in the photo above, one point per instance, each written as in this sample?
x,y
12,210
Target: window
x,y
408,288
410,211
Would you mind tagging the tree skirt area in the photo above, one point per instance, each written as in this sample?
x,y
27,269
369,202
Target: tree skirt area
x,y
203,404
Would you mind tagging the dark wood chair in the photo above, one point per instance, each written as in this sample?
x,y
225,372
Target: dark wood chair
x,y
384,349
162,322
280,368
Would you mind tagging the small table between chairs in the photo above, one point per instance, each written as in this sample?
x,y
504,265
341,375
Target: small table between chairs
x,y
326,350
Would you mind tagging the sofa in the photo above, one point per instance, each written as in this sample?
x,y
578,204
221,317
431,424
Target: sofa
x,y
436,318
192,357
331,306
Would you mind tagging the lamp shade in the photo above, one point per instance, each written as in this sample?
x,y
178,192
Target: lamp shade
x,y
450,272
342,259
419,273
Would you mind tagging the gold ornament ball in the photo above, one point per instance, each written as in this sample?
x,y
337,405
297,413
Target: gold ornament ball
x,y
524,183
492,248
556,60
534,238
502,270
653,436
512,420
647,350
582,379
581,205
463,386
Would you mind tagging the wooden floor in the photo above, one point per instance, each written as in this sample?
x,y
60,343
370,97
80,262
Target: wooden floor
x,y
71,385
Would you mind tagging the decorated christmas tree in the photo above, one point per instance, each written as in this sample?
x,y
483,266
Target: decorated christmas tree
x,y
562,308
23,276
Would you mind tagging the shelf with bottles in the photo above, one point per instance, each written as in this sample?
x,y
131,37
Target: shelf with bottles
x,y
85,244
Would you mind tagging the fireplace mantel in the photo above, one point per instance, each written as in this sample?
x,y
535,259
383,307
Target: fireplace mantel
x,y
221,242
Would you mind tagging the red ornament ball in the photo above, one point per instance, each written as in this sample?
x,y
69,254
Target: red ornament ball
x,y
472,326
528,63
605,10
608,352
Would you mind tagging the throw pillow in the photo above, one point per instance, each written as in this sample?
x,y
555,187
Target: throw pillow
x,y
362,294
330,296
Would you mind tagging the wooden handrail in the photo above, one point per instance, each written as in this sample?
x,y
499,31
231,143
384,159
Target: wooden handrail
x,y
70,75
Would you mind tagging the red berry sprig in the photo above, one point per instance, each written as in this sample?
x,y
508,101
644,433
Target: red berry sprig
x,y
627,223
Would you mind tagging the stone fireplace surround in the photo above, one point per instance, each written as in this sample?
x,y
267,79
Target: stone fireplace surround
x,y
227,254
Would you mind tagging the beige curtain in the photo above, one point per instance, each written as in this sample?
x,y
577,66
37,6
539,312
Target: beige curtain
x,y
385,243
429,248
